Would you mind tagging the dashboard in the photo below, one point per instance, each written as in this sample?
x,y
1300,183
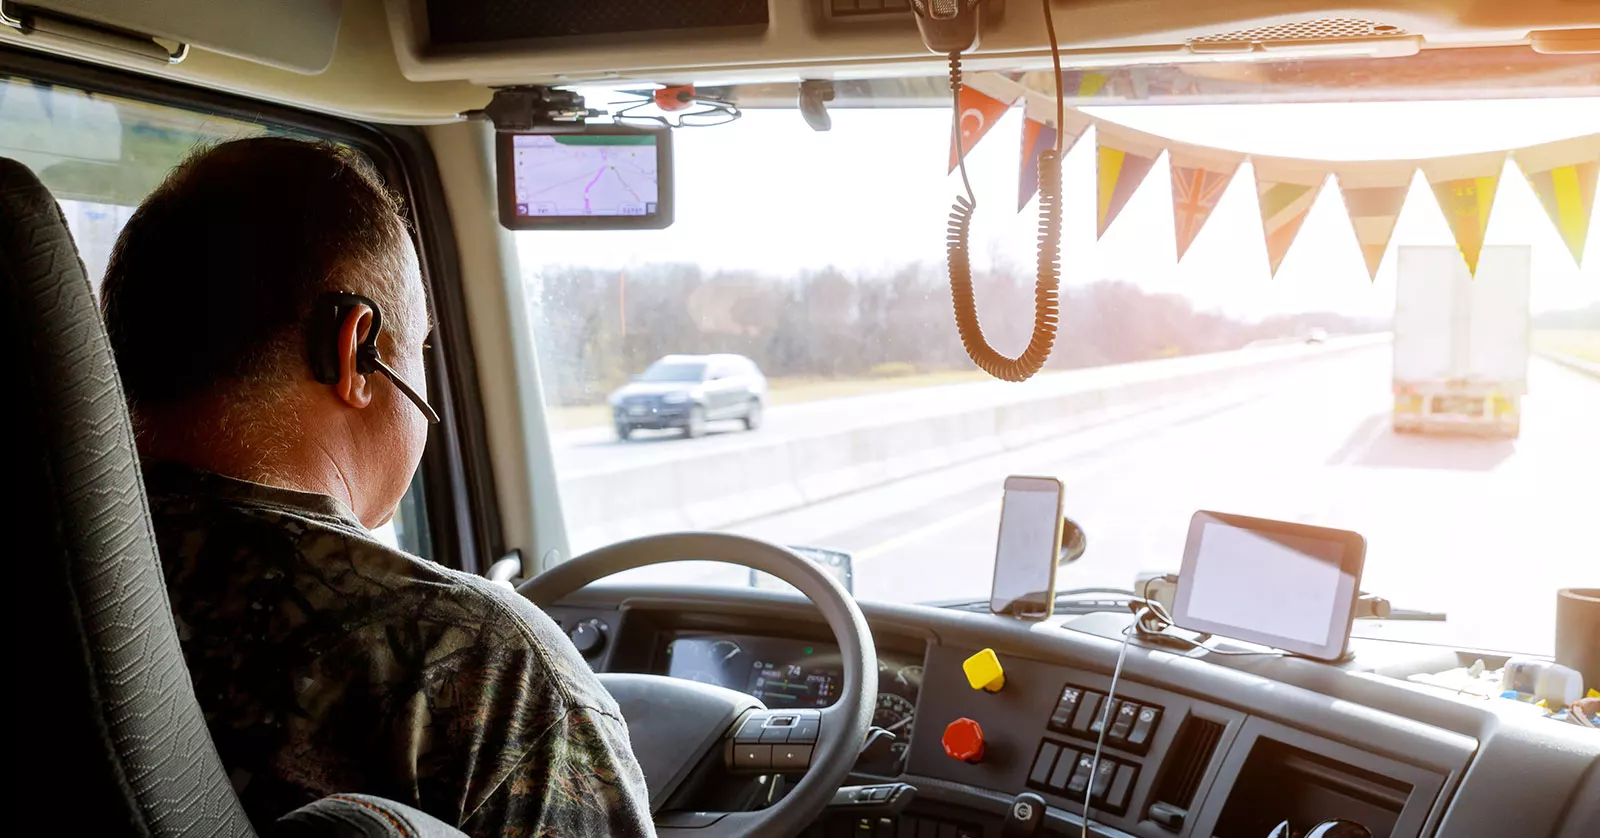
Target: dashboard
x,y
1225,747
788,674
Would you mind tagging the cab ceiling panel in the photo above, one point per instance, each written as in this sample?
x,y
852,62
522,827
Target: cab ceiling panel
x,y
572,41
297,35
455,23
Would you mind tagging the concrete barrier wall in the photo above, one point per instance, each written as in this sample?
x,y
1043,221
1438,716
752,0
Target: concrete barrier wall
x,y
1589,368
858,450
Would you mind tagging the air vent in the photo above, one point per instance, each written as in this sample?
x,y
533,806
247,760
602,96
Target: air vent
x,y
1186,764
1327,29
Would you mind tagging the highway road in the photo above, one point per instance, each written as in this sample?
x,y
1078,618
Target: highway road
x,y
1483,529
597,449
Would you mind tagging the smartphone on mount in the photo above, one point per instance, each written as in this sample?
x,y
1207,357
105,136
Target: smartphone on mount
x,y
1027,550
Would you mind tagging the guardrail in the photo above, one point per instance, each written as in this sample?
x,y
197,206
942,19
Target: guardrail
x,y
951,424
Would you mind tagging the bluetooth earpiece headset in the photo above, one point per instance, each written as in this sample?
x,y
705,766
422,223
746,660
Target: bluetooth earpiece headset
x,y
322,339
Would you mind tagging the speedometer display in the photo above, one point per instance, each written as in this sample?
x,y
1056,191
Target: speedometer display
x,y
894,714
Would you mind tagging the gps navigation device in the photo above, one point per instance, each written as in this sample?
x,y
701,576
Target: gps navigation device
x,y
604,177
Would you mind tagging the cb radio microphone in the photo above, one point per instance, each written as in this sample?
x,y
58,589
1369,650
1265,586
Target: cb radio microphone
x,y
947,26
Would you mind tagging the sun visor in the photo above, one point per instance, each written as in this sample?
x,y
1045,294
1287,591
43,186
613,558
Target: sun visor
x,y
296,35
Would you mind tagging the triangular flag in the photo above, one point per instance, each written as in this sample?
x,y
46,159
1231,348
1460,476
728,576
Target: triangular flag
x,y
1373,195
1465,187
1122,158
1199,177
1038,136
1285,189
984,98
1562,174
1082,84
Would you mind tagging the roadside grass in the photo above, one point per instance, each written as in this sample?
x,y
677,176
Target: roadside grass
x,y
790,390
1579,343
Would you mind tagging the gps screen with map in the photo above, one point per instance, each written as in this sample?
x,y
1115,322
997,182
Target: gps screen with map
x,y
606,177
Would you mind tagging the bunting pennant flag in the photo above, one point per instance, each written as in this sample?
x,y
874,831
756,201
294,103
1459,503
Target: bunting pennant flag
x,y
1465,187
1374,193
1082,84
1286,189
1562,175
1039,135
984,98
1037,138
1122,158
1199,177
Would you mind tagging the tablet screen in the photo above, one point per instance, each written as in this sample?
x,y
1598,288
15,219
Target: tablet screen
x,y
1285,585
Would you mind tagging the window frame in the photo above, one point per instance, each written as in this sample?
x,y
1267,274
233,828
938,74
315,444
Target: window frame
x,y
463,515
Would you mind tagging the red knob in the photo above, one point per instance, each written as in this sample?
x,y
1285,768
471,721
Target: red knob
x,y
963,740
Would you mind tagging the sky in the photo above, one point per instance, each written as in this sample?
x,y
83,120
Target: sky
x,y
767,193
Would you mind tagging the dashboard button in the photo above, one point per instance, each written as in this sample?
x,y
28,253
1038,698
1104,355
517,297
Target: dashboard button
x,y
1127,712
775,735
1144,725
984,671
1061,719
752,756
1121,786
963,740
1043,762
1108,709
1063,770
1102,778
805,730
791,757
1088,706
589,637
750,730
1080,775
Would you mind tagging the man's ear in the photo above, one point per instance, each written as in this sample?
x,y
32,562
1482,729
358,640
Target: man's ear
x,y
354,388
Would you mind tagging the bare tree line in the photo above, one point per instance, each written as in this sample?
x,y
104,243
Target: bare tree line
x,y
596,327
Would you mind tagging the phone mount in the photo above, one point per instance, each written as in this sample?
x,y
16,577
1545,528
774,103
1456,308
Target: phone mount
x,y
1073,542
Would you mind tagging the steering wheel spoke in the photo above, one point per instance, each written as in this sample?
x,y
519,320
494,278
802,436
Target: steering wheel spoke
x,y
676,725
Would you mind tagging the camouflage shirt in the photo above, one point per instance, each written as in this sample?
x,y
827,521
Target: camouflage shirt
x,y
327,662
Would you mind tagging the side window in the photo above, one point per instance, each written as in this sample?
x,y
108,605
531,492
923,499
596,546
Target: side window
x,y
100,156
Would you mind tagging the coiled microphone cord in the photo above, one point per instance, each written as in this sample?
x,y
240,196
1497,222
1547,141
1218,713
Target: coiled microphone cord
x,y
1046,296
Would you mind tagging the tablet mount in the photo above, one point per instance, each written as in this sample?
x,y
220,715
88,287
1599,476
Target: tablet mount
x,y
1162,591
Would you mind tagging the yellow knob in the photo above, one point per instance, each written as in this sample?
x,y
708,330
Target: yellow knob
x,y
984,671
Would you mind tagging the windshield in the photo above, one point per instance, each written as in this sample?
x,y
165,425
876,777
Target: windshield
x,y
667,371
1456,432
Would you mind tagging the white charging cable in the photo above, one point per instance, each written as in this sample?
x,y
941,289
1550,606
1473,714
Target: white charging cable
x,y
1105,722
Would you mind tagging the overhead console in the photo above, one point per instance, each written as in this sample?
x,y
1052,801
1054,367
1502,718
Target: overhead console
x,y
742,41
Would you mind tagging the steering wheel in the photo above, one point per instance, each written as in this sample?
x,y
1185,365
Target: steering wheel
x,y
677,726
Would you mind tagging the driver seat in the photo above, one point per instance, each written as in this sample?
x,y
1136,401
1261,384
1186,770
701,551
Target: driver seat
x,y
127,751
